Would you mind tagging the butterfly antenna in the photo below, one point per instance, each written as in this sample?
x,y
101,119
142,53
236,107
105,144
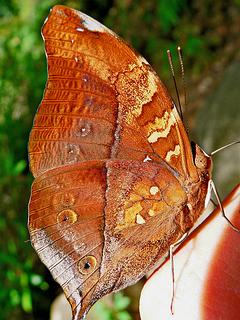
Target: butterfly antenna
x,y
224,147
221,207
175,83
180,57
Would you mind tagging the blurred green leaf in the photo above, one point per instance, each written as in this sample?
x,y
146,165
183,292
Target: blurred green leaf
x,y
123,315
112,307
36,279
193,44
26,298
121,302
19,167
169,13
14,297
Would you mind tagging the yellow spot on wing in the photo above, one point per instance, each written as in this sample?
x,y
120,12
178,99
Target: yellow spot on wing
x,y
174,195
67,215
163,124
140,219
158,208
130,213
154,190
159,123
151,213
174,152
135,197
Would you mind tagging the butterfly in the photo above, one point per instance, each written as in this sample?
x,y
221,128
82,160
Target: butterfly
x,y
117,180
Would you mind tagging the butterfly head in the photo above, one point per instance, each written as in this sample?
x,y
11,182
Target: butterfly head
x,y
202,161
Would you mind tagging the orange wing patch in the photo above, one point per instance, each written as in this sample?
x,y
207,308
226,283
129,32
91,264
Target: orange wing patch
x,y
149,196
135,88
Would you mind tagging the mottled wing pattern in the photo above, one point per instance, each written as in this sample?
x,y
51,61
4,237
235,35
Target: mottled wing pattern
x,y
66,223
102,101
86,223
146,211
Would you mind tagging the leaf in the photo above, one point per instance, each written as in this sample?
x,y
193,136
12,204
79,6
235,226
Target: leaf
x,y
19,167
14,297
121,302
124,315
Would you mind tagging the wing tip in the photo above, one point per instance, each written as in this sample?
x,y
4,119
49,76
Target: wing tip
x,y
86,22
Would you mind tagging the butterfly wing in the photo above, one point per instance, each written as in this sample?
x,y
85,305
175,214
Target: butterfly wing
x,y
66,223
145,212
109,153
102,101
100,226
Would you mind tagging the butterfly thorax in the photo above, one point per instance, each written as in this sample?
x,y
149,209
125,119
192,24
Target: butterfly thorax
x,y
197,191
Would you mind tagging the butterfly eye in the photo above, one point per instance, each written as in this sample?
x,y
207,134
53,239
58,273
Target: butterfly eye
x,y
67,216
201,162
87,264
201,159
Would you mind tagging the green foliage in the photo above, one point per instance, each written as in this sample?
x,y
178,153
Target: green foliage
x,y
201,27
22,78
113,307
168,12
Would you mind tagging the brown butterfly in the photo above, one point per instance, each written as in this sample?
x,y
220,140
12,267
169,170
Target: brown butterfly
x,y
116,178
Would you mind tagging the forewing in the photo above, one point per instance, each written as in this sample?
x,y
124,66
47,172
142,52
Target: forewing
x,y
102,101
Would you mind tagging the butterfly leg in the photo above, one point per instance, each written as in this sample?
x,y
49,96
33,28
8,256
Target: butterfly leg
x,y
221,207
172,248
214,203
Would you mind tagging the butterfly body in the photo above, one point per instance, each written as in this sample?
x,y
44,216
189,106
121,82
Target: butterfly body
x,y
116,180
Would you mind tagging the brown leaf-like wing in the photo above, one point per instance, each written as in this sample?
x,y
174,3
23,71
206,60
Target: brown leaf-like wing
x,y
146,211
102,101
66,222
100,226
113,165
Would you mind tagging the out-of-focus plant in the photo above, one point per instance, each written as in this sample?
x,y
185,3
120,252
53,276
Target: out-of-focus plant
x,y
22,77
112,308
202,28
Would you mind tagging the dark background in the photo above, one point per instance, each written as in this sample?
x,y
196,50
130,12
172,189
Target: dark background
x,y
207,30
